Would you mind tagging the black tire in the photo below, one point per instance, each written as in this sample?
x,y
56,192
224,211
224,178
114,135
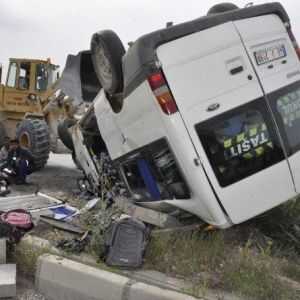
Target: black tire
x,y
2,134
64,134
222,7
107,51
34,135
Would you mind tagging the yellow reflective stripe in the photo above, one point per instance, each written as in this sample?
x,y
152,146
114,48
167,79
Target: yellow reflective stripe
x,y
253,131
240,137
259,151
227,143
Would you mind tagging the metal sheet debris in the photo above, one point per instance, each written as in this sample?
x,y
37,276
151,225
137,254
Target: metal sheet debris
x,y
61,225
32,202
146,215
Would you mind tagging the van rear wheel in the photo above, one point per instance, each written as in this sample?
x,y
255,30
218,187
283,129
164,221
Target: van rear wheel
x,y
107,51
222,7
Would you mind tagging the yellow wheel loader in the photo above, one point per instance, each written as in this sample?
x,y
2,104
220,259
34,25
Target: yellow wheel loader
x,y
34,107
23,106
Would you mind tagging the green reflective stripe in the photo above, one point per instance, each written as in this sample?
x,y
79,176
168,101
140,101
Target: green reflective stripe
x,y
240,137
248,155
259,151
227,143
263,127
253,131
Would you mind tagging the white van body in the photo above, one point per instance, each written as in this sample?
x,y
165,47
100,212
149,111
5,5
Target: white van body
x,y
243,72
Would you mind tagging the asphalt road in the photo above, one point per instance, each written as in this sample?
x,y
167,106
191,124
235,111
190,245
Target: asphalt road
x,y
58,178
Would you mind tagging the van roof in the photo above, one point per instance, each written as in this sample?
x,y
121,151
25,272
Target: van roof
x,y
139,61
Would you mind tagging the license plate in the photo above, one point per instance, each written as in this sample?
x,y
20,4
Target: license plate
x,y
269,54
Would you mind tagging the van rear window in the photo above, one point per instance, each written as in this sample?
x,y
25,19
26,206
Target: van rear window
x,y
285,104
240,142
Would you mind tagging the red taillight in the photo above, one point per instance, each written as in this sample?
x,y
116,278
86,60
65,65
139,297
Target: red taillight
x,y
162,93
293,39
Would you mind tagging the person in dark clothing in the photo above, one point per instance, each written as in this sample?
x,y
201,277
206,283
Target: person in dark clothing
x,y
21,160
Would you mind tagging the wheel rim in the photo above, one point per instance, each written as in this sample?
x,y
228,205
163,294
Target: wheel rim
x,y
104,66
24,140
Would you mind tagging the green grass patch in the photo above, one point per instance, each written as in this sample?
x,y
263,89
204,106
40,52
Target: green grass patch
x,y
210,261
186,254
26,256
254,276
291,270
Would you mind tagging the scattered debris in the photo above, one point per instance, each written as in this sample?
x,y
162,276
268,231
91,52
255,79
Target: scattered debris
x,y
64,212
146,215
32,202
76,245
61,225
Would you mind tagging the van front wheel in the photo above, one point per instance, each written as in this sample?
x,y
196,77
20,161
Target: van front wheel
x,y
107,51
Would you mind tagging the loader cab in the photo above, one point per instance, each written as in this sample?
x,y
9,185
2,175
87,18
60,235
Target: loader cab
x,y
26,83
31,75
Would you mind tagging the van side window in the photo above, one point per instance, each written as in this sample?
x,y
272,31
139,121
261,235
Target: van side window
x,y
12,75
240,142
285,104
24,76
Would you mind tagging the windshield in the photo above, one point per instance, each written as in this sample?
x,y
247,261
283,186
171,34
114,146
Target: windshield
x,y
46,76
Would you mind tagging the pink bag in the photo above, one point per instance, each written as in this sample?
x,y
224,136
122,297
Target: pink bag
x,y
18,218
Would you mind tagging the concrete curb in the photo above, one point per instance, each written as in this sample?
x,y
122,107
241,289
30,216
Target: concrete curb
x,y
62,279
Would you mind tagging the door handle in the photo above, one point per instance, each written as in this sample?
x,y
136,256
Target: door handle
x,y
236,70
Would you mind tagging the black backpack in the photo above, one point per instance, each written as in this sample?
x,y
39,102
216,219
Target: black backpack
x,y
125,242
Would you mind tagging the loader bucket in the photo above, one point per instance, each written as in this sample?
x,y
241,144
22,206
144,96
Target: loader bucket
x,y
79,80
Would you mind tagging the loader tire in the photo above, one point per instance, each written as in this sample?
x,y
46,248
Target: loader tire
x,y
221,8
2,134
34,135
64,134
107,51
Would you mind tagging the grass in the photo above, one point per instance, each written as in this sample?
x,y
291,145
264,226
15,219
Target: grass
x,y
291,270
186,253
26,256
254,276
216,260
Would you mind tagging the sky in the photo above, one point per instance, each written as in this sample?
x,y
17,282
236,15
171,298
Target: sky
x,y
54,28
